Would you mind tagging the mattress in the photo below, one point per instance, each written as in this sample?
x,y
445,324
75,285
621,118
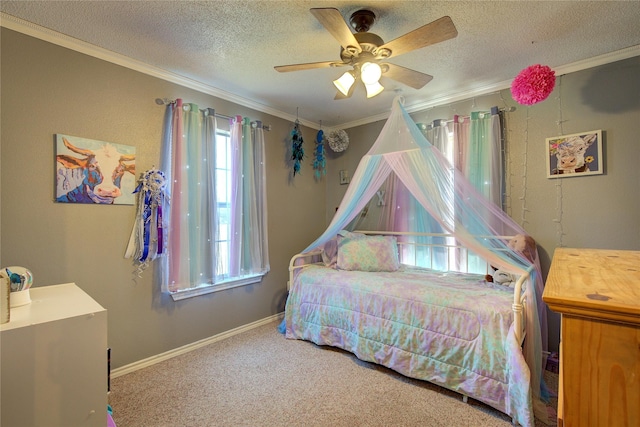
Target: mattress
x,y
452,329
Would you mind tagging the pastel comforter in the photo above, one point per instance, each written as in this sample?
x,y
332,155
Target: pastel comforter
x,y
451,329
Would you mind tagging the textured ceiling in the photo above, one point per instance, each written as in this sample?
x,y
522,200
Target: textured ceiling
x,y
232,46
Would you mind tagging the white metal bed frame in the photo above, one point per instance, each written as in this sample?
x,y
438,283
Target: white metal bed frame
x,y
519,299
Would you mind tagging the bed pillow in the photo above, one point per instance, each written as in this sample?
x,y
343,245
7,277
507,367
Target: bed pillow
x,y
367,253
330,253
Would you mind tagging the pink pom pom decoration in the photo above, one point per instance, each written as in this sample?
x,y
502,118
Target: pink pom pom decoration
x,y
533,84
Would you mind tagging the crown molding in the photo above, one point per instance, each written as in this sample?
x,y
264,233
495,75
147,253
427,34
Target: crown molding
x,y
63,40
33,30
453,97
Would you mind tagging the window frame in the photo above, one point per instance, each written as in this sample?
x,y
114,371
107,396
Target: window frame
x,y
209,288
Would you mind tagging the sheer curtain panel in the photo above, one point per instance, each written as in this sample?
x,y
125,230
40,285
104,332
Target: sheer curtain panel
x,y
217,235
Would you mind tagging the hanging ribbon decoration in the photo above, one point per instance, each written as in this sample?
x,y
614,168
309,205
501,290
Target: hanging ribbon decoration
x,y
297,152
148,237
319,162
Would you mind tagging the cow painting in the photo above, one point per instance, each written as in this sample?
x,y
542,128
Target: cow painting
x,y
575,154
94,172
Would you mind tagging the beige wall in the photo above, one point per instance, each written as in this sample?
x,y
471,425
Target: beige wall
x,y
47,89
601,211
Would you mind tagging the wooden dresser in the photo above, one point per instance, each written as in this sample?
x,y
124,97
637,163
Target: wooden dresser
x,y
597,292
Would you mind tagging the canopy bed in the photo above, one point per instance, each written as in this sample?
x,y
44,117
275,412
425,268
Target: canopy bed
x,y
415,300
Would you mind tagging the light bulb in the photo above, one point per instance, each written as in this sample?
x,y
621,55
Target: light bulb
x,y
370,73
345,82
373,89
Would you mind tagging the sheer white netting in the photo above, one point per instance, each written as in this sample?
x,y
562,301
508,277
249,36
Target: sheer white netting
x,y
444,201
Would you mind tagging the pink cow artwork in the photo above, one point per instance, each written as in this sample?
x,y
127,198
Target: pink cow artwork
x,y
574,155
94,172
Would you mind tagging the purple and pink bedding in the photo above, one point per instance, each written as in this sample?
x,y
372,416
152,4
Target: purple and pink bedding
x,y
451,329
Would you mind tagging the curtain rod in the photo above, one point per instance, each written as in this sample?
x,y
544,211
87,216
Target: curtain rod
x,y
166,101
494,110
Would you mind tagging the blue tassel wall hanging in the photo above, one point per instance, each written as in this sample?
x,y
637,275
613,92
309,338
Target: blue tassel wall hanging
x,y
319,162
297,152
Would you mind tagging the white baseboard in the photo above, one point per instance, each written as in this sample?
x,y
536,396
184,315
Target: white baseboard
x,y
190,347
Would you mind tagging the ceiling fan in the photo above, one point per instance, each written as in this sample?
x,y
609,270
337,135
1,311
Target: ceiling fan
x,y
367,53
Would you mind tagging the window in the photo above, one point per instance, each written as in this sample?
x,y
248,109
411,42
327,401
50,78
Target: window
x,y
217,219
223,202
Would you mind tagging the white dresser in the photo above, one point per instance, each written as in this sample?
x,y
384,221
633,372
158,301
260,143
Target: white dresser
x,y
53,360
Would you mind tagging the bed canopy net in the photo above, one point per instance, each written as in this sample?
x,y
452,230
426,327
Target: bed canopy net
x,y
444,201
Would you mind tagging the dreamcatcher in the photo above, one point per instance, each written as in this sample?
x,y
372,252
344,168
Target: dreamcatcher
x,y
149,233
319,161
297,152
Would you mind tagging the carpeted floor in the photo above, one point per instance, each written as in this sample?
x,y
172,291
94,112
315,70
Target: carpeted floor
x,y
259,378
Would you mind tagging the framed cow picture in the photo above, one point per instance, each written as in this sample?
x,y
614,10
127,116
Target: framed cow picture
x,y
94,172
578,154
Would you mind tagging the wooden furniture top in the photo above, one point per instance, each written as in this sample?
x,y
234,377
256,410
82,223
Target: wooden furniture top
x,y
596,283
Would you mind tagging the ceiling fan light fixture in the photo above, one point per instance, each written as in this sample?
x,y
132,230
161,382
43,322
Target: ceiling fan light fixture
x,y
363,50
345,82
370,73
373,89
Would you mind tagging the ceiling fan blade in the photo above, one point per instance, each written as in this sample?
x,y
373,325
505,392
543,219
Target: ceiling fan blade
x,y
412,78
333,21
435,32
308,66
